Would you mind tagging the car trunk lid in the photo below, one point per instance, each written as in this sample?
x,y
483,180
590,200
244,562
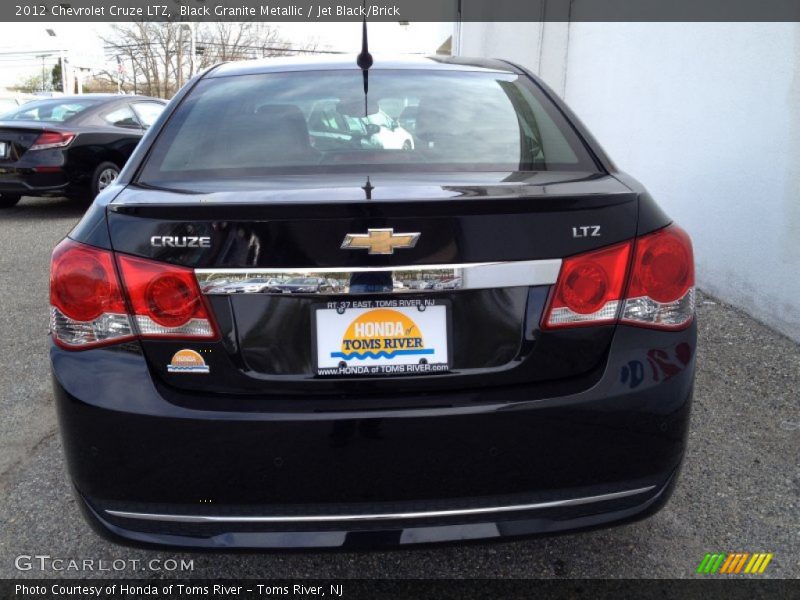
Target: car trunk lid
x,y
491,247
17,138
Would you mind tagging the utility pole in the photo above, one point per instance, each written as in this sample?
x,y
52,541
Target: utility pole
x,y
66,79
43,56
119,75
133,70
192,47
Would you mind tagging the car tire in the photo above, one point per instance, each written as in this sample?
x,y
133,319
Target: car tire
x,y
103,176
9,200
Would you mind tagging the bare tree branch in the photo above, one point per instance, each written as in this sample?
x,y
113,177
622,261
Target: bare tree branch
x,y
155,57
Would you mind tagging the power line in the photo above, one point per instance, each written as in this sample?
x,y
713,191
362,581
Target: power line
x,y
200,43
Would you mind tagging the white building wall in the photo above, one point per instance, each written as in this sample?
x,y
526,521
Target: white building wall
x,y
517,42
707,116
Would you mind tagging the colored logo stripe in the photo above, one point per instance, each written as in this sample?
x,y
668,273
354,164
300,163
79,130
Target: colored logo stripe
x,y
710,563
758,563
379,354
737,562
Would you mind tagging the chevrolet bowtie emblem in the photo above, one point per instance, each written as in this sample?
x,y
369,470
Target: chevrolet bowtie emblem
x,y
379,241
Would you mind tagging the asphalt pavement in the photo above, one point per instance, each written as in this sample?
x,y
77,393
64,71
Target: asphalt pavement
x,y
739,490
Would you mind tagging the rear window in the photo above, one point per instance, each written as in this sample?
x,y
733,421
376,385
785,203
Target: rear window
x,y
50,111
7,105
308,122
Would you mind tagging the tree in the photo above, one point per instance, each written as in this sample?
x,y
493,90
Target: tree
x,y
99,86
29,84
155,59
55,77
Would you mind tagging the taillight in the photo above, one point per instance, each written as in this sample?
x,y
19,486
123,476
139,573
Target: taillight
x,y
661,289
87,299
165,299
52,139
591,287
86,304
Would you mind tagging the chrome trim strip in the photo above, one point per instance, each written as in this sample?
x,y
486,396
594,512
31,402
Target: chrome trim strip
x,y
378,516
440,277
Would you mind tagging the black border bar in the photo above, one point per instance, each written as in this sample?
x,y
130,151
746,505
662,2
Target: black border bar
x,y
401,10
706,588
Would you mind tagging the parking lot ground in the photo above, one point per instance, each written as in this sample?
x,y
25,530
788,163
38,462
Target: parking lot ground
x,y
738,491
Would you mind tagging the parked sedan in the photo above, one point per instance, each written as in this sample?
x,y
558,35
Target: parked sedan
x,y
452,283
72,146
545,386
260,284
306,285
249,286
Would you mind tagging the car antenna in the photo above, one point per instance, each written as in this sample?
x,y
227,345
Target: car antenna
x,y
364,60
368,187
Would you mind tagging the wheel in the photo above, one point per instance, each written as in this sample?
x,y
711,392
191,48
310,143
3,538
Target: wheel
x,y
9,200
104,175
406,146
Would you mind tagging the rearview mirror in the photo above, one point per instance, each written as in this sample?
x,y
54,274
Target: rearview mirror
x,y
373,129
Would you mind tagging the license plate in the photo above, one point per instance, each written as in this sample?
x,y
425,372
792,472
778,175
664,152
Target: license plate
x,y
382,337
3,150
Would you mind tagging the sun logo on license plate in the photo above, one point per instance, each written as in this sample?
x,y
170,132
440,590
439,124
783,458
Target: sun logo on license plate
x,y
382,333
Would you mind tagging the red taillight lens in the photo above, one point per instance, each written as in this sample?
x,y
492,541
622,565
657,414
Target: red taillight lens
x,y
170,300
88,307
165,299
660,293
585,288
86,304
589,288
663,266
52,139
661,290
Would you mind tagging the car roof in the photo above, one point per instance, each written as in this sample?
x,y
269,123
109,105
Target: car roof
x,y
109,97
335,62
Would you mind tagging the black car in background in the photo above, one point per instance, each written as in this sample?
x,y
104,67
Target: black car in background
x,y
307,285
71,146
539,382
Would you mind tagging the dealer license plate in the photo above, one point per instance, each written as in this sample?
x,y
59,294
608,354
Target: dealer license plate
x,y
382,337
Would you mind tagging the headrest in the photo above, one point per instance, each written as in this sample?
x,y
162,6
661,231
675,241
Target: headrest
x,y
284,123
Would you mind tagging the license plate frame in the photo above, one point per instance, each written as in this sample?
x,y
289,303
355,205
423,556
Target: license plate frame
x,y
430,316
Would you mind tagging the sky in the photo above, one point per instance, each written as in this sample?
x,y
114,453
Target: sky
x,y
22,44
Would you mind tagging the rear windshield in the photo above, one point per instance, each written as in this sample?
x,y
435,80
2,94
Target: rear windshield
x,y
409,121
7,105
50,111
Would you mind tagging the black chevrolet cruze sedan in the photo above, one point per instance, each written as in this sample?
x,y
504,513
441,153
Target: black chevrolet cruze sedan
x,y
71,146
541,383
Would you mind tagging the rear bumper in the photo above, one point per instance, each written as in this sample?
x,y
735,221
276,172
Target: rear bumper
x,y
30,183
224,531
473,466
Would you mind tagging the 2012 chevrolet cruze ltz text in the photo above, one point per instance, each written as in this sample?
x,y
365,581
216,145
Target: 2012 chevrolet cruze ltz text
x,y
332,303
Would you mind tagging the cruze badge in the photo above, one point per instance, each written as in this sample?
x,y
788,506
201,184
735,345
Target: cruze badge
x,y
180,241
379,241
